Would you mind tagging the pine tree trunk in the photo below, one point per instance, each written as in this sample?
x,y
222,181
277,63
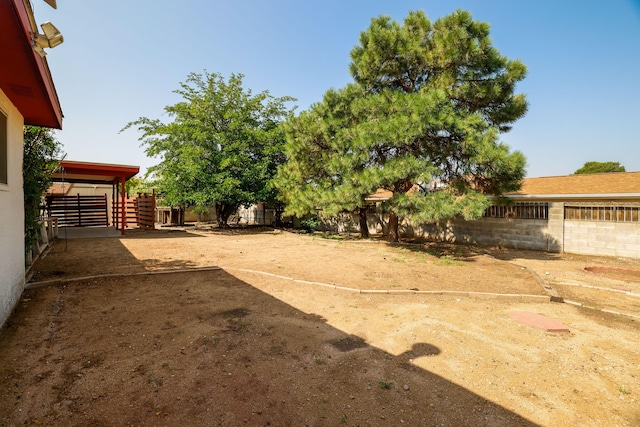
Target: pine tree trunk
x,y
394,236
364,227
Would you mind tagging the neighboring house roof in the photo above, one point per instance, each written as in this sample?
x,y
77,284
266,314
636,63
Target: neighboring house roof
x,y
615,185
24,75
379,196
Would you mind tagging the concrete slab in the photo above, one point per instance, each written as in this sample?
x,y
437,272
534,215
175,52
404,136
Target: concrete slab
x,y
87,232
539,321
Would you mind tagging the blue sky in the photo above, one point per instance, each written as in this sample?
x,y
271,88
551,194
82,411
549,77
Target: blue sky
x,y
122,59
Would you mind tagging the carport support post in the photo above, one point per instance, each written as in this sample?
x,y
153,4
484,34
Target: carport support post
x,y
123,213
114,206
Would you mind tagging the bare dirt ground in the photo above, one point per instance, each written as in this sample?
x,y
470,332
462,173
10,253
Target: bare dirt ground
x,y
294,330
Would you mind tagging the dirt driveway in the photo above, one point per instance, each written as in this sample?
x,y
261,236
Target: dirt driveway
x,y
280,329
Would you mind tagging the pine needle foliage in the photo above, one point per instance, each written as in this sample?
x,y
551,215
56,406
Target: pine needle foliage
x,y
422,119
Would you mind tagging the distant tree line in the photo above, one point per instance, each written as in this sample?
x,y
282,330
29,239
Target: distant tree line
x,y
600,167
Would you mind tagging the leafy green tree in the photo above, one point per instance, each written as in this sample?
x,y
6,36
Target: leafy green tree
x,y
136,185
41,157
422,120
222,147
600,167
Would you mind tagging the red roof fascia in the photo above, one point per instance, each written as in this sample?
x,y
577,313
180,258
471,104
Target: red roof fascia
x,y
99,169
24,75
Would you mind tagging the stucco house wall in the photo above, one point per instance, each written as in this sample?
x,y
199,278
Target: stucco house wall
x,y
12,251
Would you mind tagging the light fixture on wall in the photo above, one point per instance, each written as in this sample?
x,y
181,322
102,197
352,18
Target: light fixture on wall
x,y
51,38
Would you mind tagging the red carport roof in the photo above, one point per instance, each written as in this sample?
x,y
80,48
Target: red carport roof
x,y
24,75
74,171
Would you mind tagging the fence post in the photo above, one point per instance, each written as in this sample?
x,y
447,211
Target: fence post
x,y
79,211
153,208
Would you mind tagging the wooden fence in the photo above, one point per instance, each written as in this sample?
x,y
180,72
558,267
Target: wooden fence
x,y
78,211
139,211
87,211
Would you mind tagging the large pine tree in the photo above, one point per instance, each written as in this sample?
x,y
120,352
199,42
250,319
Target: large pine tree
x,y
422,120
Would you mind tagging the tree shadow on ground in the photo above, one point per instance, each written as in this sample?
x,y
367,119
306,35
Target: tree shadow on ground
x,y
507,254
231,230
463,251
205,348
421,246
159,233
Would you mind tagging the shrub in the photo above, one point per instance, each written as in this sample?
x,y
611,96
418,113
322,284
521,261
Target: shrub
x,y
310,224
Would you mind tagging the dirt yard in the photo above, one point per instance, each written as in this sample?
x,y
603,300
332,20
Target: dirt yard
x,y
277,329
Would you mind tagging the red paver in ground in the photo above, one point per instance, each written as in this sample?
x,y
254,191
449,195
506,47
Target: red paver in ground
x,y
539,321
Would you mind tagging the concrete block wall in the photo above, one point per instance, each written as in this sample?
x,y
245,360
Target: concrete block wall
x,y
503,232
533,234
190,215
350,223
620,239
555,226
543,235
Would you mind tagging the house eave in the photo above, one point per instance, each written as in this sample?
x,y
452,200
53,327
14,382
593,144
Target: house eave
x,y
608,196
27,80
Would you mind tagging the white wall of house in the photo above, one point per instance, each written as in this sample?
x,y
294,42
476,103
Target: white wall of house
x,y
256,214
12,257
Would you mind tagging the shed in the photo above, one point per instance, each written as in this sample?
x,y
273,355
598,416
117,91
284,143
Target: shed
x,y
100,173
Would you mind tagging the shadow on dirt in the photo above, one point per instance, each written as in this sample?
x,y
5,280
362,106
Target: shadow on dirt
x,y
231,230
163,233
204,348
438,250
513,254
86,257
